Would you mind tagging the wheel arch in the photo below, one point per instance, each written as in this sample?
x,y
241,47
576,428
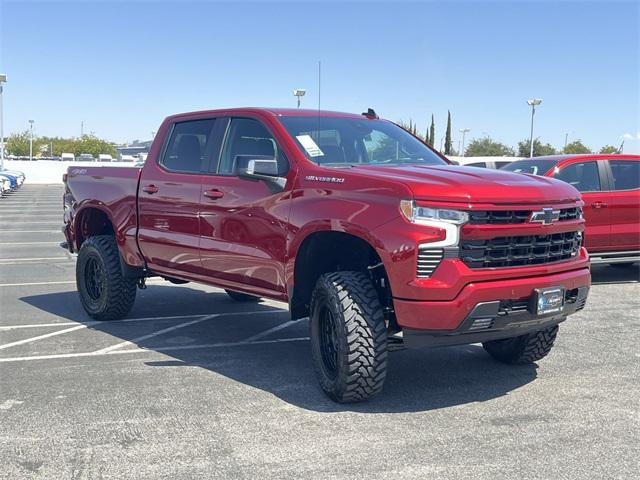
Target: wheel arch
x,y
324,250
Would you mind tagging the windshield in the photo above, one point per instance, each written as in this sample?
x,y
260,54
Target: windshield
x,y
340,142
533,166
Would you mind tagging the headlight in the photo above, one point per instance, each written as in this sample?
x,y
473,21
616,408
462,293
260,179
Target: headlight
x,y
444,219
417,214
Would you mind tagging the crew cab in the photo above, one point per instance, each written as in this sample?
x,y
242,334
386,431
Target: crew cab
x,y
610,187
353,221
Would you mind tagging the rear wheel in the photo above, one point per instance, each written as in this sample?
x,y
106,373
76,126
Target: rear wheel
x,y
241,297
104,292
523,350
348,337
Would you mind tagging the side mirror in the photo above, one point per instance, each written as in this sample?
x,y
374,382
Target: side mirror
x,y
259,167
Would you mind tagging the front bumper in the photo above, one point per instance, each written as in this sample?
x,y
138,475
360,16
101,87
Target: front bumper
x,y
495,320
448,316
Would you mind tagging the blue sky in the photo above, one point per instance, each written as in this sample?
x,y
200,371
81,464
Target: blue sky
x,y
121,67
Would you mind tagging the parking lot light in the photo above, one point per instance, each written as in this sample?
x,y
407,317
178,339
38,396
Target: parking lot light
x,y
30,140
532,102
299,93
3,79
463,131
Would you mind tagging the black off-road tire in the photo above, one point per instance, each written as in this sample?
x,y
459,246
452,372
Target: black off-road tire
x,y
348,337
525,349
241,297
104,292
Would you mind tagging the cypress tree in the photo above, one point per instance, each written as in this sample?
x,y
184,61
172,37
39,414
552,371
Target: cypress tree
x,y
447,140
432,131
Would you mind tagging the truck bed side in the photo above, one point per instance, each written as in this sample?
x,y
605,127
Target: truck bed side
x,y
102,200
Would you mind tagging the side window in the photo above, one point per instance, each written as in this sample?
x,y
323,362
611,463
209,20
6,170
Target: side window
x,y
626,174
584,176
476,164
187,146
248,139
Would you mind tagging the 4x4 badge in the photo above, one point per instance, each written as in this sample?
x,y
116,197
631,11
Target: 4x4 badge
x,y
546,216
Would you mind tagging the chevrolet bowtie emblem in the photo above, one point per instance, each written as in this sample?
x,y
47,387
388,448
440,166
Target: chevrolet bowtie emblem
x,y
546,216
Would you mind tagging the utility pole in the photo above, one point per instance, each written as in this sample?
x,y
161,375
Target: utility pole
x,y
31,140
533,102
566,138
463,131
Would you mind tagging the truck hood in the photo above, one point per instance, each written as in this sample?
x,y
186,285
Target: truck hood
x,y
445,183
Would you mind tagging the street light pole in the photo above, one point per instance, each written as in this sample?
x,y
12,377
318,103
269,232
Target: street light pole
x,y
533,102
3,79
299,93
31,140
463,131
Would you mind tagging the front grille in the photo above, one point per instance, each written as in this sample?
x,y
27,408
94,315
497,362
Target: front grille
x,y
500,217
428,260
520,251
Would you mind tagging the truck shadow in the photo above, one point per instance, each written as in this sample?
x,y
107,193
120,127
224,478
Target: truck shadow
x,y
417,380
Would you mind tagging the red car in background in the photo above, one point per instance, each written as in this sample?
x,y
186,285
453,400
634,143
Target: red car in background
x,y
610,188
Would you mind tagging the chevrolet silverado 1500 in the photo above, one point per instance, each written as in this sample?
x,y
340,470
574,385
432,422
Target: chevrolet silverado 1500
x,y
353,221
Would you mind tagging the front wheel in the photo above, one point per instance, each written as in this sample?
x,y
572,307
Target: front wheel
x,y
348,337
525,349
104,292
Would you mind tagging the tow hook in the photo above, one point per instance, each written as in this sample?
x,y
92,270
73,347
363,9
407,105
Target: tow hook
x,y
142,283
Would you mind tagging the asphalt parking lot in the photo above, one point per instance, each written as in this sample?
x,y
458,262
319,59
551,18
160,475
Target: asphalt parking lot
x,y
193,385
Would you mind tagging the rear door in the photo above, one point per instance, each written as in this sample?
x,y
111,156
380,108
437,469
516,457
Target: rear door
x,y
623,199
244,222
589,177
170,197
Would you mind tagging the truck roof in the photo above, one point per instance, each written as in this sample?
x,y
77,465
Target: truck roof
x,y
289,112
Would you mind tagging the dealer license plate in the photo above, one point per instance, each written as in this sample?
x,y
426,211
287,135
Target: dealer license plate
x,y
549,300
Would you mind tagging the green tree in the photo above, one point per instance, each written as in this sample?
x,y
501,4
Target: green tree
x,y
539,149
18,143
487,147
447,140
609,149
575,147
432,131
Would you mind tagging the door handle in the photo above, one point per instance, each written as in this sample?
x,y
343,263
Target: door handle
x,y
213,194
150,189
599,205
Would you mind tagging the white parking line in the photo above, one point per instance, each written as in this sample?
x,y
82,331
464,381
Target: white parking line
x,y
29,243
155,334
139,319
30,231
12,261
150,350
260,335
69,282
40,337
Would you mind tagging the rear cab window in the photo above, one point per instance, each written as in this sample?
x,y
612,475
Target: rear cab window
x,y
188,146
626,174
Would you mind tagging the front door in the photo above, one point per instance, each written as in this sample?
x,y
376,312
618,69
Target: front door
x,y
244,222
587,178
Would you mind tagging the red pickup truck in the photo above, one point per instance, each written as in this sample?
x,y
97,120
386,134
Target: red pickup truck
x,y
610,188
353,221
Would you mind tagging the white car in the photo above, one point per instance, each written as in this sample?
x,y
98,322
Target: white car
x,y
494,163
5,186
